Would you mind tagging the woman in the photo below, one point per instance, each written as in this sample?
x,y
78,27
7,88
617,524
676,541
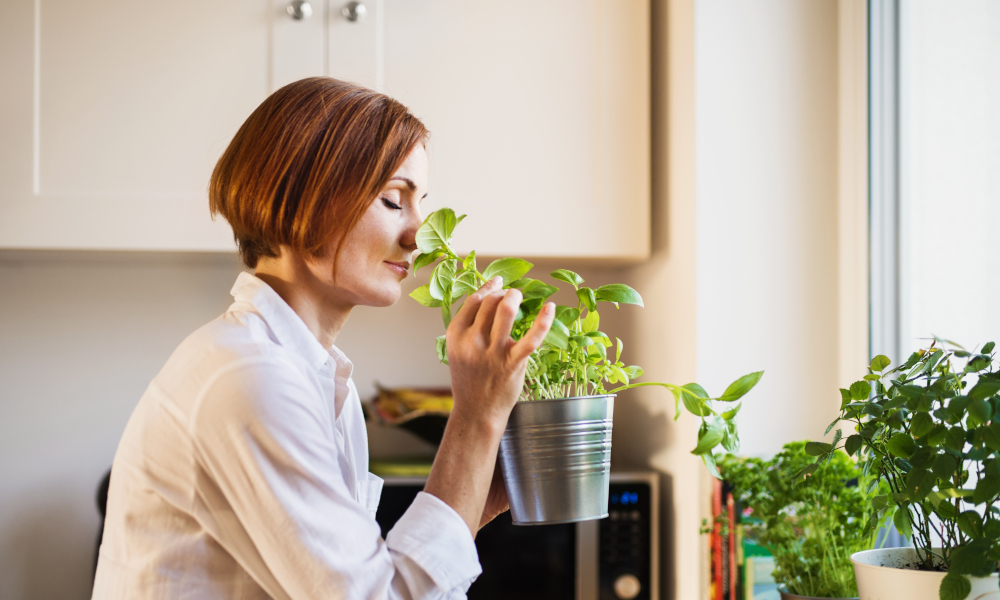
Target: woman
x,y
243,472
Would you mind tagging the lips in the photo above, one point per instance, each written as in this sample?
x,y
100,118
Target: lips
x,y
400,267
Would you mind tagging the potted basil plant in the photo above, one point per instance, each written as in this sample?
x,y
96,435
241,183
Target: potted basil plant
x,y
555,452
929,430
807,522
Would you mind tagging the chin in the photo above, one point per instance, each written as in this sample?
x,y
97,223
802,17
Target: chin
x,y
384,297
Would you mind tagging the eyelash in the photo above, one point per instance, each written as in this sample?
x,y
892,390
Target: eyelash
x,y
391,204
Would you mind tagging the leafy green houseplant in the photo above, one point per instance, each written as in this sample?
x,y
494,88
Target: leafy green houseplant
x,y
811,524
929,431
576,358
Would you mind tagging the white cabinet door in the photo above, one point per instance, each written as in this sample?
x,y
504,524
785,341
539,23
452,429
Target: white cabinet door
x,y
539,116
113,115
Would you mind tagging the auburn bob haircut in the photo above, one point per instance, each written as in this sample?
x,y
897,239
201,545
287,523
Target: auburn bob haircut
x,y
307,163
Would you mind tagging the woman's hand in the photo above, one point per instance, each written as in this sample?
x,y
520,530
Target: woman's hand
x,y
487,365
487,374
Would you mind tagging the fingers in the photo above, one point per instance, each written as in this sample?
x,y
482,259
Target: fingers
x,y
467,314
487,311
536,335
503,321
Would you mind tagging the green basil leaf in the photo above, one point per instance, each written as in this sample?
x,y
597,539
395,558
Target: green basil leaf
x,y
587,297
436,230
423,295
558,335
591,322
618,292
442,279
425,259
710,435
442,349
567,315
538,289
741,386
507,268
568,276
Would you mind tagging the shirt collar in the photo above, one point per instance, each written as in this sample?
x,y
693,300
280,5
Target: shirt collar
x,y
288,327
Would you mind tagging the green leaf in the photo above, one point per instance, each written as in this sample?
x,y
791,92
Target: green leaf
x,y
970,559
694,397
436,230
558,335
986,490
538,289
921,425
741,386
879,363
970,523
568,276
709,461
902,522
633,372
985,388
731,441
853,444
980,411
425,259
807,470
710,435
423,295
587,297
442,349
988,347
469,262
955,439
465,283
618,292
860,390
618,352
901,445
944,466
919,482
591,322
817,448
567,315
954,587
729,414
507,268
879,502
442,279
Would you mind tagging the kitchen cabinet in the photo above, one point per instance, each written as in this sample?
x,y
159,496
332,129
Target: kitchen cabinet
x,y
112,115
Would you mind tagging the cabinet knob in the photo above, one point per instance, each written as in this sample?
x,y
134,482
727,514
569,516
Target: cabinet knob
x,y
355,12
627,586
299,9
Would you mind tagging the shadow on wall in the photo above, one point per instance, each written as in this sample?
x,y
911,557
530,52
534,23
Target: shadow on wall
x,y
50,545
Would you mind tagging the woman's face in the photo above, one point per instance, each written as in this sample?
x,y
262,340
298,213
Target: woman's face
x,y
378,253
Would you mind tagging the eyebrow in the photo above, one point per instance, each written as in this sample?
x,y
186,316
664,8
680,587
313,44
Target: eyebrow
x,y
409,183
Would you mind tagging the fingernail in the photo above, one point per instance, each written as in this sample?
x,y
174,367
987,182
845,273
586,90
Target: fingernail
x,y
497,280
550,307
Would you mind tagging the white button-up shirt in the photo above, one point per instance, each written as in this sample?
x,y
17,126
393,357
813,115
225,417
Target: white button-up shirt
x,y
243,473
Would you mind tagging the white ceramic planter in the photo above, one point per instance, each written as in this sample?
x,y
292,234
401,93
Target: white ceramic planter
x,y
882,575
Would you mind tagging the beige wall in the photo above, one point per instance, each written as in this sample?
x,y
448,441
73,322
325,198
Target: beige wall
x,y
744,155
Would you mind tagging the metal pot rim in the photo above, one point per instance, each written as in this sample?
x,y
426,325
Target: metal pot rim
x,y
570,398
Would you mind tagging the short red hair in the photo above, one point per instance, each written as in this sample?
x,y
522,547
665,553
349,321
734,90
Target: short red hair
x,y
307,163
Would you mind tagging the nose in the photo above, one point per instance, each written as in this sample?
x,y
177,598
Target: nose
x,y
413,222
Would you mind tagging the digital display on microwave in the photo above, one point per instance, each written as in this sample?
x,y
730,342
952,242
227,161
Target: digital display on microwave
x,y
625,498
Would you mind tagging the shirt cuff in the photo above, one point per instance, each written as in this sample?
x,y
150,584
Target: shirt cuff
x,y
435,537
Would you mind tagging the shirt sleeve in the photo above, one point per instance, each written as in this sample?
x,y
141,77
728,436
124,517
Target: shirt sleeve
x,y
265,439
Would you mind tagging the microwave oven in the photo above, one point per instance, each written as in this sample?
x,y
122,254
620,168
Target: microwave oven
x,y
614,558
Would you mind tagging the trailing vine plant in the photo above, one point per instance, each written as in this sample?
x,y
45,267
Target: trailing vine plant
x,y
930,430
576,358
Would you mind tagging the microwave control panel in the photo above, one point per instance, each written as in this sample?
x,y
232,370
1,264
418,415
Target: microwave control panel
x,y
625,555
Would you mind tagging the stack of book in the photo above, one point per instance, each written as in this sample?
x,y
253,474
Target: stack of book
x,y
741,569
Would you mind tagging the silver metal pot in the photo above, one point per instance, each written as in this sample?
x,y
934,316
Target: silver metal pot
x,y
786,596
556,459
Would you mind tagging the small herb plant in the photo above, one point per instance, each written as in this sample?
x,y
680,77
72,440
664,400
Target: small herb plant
x,y
807,523
576,358
929,430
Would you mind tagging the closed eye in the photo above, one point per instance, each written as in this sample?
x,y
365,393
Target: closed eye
x,y
390,204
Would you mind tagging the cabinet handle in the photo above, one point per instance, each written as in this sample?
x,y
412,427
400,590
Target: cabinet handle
x,y
299,9
355,12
